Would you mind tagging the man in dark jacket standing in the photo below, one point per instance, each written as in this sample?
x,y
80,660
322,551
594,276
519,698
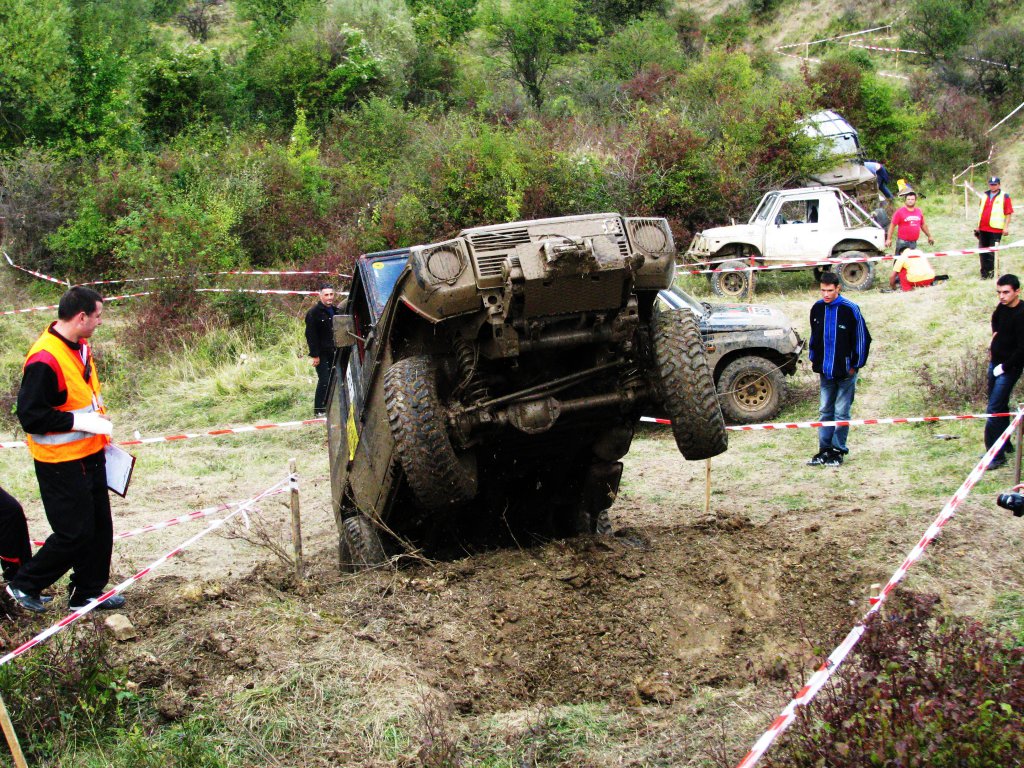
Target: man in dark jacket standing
x,y
1006,363
320,340
838,350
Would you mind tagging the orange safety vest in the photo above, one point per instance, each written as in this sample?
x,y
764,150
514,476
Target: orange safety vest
x,y
996,219
83,397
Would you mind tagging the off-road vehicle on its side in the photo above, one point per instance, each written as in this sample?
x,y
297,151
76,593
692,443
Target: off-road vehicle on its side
x,y
751,348
792,226
499,377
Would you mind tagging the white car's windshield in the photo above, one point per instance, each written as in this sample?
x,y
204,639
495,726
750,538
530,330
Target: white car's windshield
x,y
677,298
767,203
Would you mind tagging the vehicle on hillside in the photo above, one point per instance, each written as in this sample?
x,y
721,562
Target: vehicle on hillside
x,y
841,143
499,377
791,226
751,349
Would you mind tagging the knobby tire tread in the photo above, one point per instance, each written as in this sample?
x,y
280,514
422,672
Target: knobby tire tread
x,y
416,416
686,386
361,545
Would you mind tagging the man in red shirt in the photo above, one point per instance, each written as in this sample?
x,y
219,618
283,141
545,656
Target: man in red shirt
x,y
993,221
908,223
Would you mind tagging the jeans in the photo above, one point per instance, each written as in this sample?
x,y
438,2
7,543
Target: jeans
x,y
835,401
999,390
323,380
902,245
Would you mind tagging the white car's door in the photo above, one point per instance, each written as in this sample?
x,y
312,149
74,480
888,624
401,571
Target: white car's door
x,y
793,233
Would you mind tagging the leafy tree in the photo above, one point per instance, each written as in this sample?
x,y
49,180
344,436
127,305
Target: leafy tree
x,y
615,12
451,19
533,36
181,86
321,67
35,88
649,41
940,27
992,67
199,16
271,17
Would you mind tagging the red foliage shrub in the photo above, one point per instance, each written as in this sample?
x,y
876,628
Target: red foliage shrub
x,y
650,83
922,689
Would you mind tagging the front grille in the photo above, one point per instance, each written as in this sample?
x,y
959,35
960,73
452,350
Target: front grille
x,y
505,240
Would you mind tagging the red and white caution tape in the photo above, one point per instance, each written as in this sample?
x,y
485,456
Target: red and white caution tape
x,y
853,260
832,39
40,275
848,423
106,299
806,694
262,272
650,419
193,435
187,518
75,615
258,290
858,44
222,432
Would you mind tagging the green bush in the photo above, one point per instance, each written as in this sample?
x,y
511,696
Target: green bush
x,y
65,690
729,28
322,67
180,87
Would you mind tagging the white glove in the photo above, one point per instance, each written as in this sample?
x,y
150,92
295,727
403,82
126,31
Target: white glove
x,y
93,422
998,370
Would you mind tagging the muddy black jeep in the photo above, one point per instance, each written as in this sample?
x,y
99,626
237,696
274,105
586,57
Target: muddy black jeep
x,y
751,348
498,378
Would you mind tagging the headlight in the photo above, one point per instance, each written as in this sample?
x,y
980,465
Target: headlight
x,y
439,263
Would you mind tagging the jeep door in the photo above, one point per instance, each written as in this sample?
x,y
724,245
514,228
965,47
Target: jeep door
x,y
794,231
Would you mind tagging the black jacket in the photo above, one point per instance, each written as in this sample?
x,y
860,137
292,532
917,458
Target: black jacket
x,y
1008,342
839,338
320,330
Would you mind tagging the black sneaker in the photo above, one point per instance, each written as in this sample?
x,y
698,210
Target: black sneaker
x,y
112,603
818,459
834,458
25,600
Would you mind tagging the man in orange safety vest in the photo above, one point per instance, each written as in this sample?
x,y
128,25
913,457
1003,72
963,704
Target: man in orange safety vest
x,y
61,410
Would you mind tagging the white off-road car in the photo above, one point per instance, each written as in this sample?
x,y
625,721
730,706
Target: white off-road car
x,y
791,226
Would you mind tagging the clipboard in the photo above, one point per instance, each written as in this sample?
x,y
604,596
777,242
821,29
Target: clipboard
x,y
120,465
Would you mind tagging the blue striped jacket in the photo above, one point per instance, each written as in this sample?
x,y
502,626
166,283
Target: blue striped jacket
x,y
839,338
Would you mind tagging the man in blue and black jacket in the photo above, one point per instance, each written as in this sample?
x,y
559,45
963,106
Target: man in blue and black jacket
x,y
838,350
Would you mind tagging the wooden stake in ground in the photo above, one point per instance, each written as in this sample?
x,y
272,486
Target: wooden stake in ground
x,y
12,737
707,486
296,521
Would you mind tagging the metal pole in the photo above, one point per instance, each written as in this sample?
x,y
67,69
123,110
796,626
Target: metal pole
x,y
296,521
1017,451
12,737
707,486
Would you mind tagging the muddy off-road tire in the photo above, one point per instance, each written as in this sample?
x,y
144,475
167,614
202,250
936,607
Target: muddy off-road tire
x,y
858,276
686,387
361,547
731,285
750,389
437,475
